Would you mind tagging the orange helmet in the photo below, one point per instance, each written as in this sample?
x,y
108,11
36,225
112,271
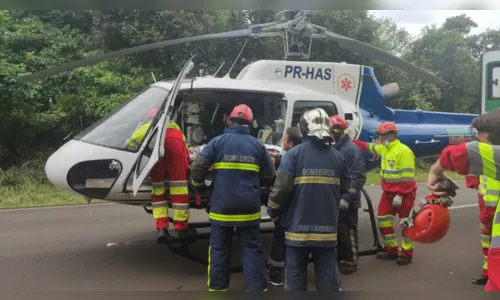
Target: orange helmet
x,y
429,220
337,122
430,224
242,112
387,127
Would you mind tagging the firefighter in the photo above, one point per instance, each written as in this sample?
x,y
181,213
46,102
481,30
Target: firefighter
x,y
488,200
482,158
397,172
486,215
176,164
241,165
315,174
349,205
276,263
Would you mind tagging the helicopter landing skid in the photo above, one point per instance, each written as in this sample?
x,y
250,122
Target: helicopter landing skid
x,y
180,245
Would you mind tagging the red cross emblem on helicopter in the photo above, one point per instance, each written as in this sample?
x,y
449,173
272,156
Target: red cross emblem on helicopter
x,y
345,82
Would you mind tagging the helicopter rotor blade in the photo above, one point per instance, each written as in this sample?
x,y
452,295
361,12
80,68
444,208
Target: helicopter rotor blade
x,y
381,55
123,52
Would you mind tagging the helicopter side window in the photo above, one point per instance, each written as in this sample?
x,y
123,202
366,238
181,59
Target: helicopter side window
x,y
114,129
494,82
300,107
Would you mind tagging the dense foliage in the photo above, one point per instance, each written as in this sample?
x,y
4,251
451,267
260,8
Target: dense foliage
x,y
35,117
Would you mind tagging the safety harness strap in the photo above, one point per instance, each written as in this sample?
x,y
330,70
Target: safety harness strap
x,y
408,222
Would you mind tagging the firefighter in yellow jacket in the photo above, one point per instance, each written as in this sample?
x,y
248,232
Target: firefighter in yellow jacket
x,y
176,164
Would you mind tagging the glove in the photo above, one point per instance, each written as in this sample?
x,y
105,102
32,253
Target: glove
x,y
397,201
344,205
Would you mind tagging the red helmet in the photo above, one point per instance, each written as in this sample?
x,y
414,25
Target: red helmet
x,y
337,122
429,220
430,224
242,112
151,113
387,127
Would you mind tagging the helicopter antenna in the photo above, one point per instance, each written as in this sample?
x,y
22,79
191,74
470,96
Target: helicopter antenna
x,y
153,75
227,75
219,69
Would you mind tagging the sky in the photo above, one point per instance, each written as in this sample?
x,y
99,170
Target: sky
x,y
415,20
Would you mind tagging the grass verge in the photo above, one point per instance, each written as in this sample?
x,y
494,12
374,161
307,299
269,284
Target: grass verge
x,y
27,186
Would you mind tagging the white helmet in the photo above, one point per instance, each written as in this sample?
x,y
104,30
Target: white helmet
x,y
315,122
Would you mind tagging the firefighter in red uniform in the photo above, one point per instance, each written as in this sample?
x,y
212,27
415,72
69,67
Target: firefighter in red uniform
x,y
397,173
176,164
481,158
472,182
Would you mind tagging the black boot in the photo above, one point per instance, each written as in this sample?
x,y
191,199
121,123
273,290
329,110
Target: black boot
x,y
480,280
347,267
403,260
162,235
387,256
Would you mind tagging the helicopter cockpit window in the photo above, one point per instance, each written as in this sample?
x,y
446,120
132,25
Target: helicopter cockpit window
x,y
125,127
300,107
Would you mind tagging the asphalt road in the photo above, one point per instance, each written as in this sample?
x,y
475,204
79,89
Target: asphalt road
x,y
65,249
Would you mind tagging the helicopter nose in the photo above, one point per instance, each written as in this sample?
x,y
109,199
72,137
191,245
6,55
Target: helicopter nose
x,y
56,170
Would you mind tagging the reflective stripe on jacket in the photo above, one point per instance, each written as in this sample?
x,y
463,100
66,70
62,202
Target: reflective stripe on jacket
x,y
240,162
472,158
397,166
316,175
490,191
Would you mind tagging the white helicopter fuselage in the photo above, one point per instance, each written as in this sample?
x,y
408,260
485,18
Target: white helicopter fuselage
x,y
95,165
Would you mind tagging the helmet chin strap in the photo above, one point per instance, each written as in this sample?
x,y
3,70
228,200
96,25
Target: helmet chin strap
x,y
336,135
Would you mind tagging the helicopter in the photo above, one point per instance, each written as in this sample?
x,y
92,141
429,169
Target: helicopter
x,y
97,164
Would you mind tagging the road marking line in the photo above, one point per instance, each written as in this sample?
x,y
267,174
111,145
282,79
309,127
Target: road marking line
x,y
463,206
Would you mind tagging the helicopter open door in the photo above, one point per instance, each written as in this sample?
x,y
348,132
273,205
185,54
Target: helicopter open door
x,y
152,149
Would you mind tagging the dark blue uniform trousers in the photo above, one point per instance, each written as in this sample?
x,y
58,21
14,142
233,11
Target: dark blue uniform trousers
x,y
276,268
219,267
325,267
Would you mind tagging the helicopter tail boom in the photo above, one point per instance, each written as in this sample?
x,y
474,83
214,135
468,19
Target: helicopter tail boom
x,y
427,133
